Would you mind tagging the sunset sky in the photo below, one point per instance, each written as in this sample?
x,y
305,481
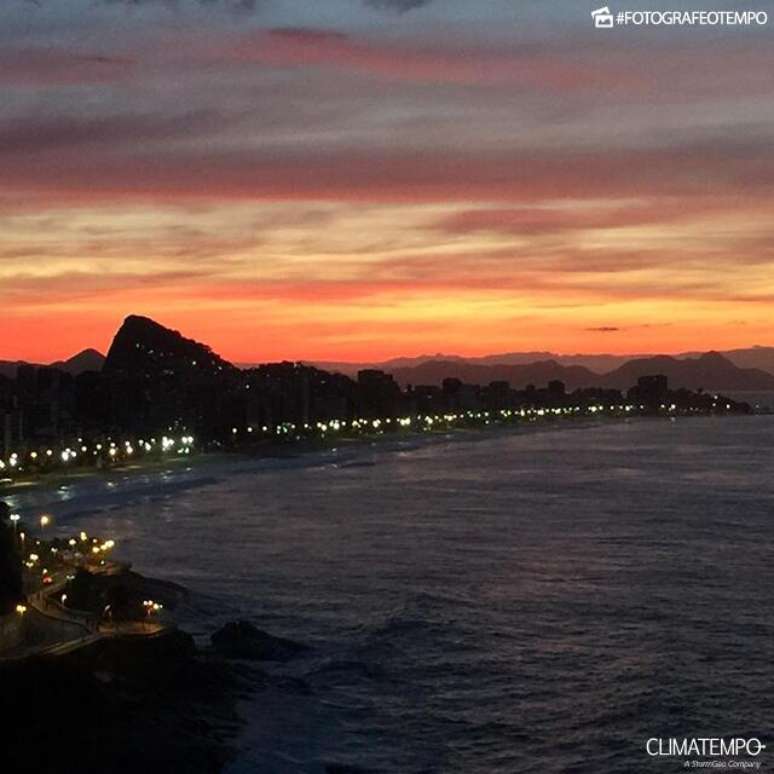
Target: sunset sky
x,y
361,179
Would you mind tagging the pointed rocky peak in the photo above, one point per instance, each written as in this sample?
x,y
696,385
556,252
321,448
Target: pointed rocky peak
x,y
143,347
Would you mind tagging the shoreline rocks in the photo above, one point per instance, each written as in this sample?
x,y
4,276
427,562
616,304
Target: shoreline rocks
x,y
242,640
122,705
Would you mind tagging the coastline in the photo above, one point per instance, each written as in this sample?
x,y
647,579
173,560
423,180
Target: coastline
x,y
67,499
101,650
294,449
211,721
305,447
60,478
155,699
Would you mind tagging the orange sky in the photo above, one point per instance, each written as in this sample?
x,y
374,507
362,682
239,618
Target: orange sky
x,y
362,185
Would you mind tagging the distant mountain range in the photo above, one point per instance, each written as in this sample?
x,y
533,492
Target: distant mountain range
x,y
750,357
710,371
749,369
87,360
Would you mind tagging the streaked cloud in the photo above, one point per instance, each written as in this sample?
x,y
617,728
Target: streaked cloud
x,y
398,6
361,177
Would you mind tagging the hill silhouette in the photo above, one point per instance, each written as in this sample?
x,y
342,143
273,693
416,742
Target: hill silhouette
x,y
520,375
710,371
86,360
143,346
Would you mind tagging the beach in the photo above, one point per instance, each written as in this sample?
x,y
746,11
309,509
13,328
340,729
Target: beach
x,y
587,584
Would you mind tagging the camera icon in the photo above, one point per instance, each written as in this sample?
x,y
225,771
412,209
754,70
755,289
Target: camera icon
x,y
603,19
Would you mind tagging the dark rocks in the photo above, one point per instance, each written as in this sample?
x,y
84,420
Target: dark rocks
x,y
240,639
122,705
123,592
165,659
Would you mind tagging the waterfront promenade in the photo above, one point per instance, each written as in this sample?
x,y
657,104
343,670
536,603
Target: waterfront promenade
x,y
43,626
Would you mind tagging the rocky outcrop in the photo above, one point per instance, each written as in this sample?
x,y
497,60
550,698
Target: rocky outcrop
x,y
121,705
156,375
240,639
124,592
142,346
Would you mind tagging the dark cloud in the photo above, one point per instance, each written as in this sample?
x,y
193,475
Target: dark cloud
x,y
284,171
235,5
81,284
306,35
397,6
603,329
41,66
66,132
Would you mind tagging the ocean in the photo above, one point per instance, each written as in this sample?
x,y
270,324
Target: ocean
x,y
533,601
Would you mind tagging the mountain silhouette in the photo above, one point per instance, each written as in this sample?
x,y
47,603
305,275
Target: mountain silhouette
x,y
519,376
160,378
143,347
86,360
758,357
710,371
747,357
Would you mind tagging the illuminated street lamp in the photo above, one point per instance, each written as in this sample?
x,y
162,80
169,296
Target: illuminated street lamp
x,y
151,606
14,517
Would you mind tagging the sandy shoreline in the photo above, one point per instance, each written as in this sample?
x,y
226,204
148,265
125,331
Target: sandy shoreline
x,y
207,460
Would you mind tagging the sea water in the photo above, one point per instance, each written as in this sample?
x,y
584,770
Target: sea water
x,y
545,600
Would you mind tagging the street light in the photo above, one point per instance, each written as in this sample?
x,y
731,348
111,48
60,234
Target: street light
x,y
14,517
45,520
